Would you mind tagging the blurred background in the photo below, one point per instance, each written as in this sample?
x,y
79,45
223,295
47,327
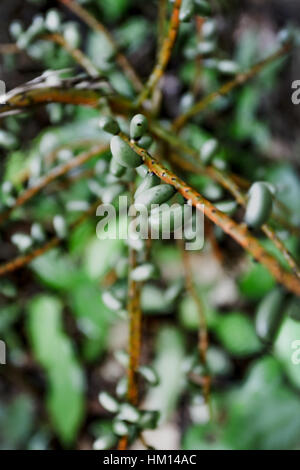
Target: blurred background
x,y
63,341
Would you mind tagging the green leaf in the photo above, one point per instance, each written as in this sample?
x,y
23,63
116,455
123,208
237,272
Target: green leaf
x,y
287,182
256,282
286,345
133,32
204,437
56,270
237,334
93,318
189,315
53,350
263,414
113,9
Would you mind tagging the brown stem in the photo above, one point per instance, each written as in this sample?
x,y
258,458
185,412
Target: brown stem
x,y
226,181
135,319
203,341
164,55
96,25
22,99
19,100
227,87
238,232
9,49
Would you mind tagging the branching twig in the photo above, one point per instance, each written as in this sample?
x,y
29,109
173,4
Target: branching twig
x,y
227,182
203,341
85,16
122,106
41,95
164,55
238,232
52,175
229,86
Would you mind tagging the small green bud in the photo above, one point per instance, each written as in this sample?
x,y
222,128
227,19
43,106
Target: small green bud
x,y
111,301
120,428
122,357
269,315
156,195
138,126
115,168
228,207
202,7
150,375
122,387
37,232
206,47
208,28
124,153
209,150
145,142
53,20
186,102
60,226
16,29
104,442
149,419
108,124
150,181
36,29
22,241
293,309
129,413
71,34
121,268
174,290
187,10
144,272
142,170
228,67
259,206
108,402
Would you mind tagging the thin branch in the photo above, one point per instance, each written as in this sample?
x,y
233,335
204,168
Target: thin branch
x,y
164,56
238,232
56,172
135,326
76,53
23,99
88,19
135,335
10,48
23,260
203,340
91,98
227,182
240,79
